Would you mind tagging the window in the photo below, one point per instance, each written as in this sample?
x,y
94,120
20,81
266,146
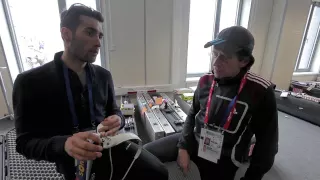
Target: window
x,y
201,23
244,14
309,43
228,15
207,18
7,44
36,30
34,26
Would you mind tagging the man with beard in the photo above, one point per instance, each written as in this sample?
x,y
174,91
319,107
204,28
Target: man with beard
x,y
58,106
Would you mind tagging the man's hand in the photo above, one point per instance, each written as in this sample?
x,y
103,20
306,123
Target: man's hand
x,y
111,126
78,146
183,160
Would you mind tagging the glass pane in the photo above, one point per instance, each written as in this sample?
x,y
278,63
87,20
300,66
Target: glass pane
x,y
245,13
93,5
310,40
6,42
37,30
200,32
228,13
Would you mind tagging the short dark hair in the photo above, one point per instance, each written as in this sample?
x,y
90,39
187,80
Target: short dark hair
x,y
244,55
71,18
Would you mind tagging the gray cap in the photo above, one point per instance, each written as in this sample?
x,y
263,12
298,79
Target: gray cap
x,y
232,40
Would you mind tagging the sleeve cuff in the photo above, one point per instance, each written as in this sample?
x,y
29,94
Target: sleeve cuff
x,y
57,146
181,146
122,120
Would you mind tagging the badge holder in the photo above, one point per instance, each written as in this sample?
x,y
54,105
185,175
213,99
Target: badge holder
x,y
210,144
211,141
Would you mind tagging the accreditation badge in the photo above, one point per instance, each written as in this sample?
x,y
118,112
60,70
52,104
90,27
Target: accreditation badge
x,y
210,145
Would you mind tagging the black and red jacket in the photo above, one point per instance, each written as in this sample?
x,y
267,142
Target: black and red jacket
x,y
255,114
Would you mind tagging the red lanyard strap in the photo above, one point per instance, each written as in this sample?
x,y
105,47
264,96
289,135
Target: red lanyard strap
x,y
233,105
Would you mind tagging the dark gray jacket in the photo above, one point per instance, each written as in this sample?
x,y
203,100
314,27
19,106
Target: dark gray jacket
x,y
42,117
256,114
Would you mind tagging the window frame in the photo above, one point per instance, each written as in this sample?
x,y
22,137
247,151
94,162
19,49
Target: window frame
x,y
62,6
239,12
216,30
304,39
12,33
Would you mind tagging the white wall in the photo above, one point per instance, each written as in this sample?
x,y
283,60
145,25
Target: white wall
x,y
127,61
259,20
274,34
290,40
139,37
159,17
180,30
147,41
284,34
141,32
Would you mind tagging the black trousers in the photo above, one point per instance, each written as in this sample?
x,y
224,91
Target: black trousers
x,y
146,167
166,150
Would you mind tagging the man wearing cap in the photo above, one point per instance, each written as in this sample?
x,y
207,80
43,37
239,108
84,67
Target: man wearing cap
x,y
230,105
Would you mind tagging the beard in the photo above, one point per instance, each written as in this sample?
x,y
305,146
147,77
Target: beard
x,y
77,50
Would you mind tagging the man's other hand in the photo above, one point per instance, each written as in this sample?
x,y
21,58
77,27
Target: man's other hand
x,y
78,146
183,160
111,126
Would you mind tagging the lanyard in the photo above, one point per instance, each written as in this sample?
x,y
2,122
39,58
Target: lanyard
x,y
81,171
70,97
226,121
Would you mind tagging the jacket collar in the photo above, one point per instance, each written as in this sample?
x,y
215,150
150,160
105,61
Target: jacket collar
x,y
231,80
59,62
